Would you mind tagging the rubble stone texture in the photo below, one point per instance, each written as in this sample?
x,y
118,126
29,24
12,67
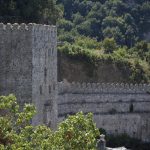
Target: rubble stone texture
x,y
117,108
28,67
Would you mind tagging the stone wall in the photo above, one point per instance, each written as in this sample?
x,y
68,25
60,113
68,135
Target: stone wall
x,y
76,87
118,108
16,61
29,67
44,73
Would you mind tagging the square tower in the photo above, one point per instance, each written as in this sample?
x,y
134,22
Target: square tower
x,y
28,67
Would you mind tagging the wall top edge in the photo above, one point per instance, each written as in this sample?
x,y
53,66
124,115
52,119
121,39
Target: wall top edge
x,y
23,26
84,84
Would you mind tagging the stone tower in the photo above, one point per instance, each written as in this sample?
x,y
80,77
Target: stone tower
x,y
28,67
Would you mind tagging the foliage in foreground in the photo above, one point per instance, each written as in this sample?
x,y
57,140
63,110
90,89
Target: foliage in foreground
x,y
77,132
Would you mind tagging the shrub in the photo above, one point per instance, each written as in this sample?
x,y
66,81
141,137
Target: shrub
x,y
109,45
77,132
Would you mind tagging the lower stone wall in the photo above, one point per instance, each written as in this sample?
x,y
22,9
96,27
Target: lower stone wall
x,y
103,103
116,112
135,125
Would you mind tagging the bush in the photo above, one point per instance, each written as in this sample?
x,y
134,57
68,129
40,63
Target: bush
x,y
109,45
65,24
78,132
88,43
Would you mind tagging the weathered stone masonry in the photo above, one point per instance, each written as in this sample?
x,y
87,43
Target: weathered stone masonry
x,y
28,67
118,108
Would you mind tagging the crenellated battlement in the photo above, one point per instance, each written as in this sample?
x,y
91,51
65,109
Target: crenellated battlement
x,y
16,26
118,108
27,27
65,87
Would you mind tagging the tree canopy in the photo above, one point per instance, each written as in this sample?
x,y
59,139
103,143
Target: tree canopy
x,y
17,133
38,11
119,27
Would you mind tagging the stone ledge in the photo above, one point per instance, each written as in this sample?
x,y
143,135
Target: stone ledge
x,y
119,148
26,27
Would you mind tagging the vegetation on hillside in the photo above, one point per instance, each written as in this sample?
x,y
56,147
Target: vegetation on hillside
x,y
93,29
77,132
108,30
